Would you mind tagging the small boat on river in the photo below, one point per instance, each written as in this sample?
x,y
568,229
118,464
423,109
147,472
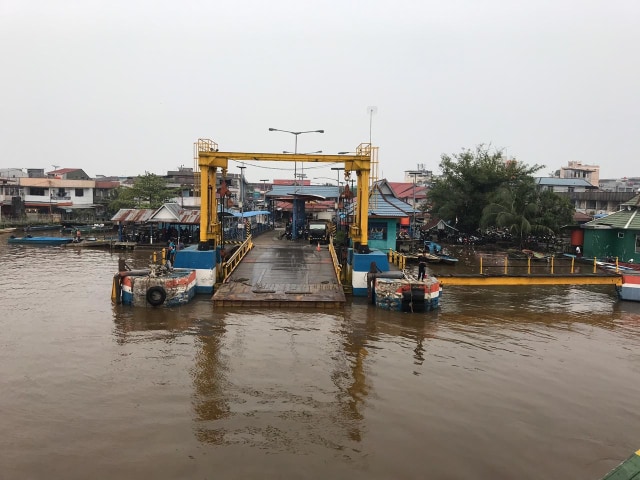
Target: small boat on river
x,y
92,242
40,228
431,258
8,230
441,254
96,228
537,256
447,259
630,289
30,240
607,263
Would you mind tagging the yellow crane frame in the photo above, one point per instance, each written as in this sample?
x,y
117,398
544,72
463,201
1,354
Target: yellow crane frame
x,y
210,160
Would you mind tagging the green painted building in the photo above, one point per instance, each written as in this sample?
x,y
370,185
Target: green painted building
x,y
387,215
616,235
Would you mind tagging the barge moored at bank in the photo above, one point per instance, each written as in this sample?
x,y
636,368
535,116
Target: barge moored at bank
x,y
157,286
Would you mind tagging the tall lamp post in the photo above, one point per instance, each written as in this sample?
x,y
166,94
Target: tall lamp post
x,y
242,233
295,149
302,166
413,206
337,169
264,190
264,193
242,187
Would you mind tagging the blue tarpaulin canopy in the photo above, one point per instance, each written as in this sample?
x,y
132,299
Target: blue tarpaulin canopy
x,y
252,213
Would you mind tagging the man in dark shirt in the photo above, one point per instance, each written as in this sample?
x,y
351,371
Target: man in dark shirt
x,y
422,266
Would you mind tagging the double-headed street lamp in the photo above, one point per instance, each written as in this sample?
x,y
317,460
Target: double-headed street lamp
x,y
295,149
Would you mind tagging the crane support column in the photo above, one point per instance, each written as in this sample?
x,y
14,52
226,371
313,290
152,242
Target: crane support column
x,y
210,226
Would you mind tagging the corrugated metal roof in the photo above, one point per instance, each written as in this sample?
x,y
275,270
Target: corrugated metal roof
x,y
133,215
172,213
633,202
563,182
437,223
381,205
626,219
406,190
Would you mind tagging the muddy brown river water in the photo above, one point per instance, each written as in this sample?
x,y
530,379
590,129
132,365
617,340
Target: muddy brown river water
x,y
500,383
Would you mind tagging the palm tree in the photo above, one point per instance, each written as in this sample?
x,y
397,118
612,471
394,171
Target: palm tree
x,y
516,209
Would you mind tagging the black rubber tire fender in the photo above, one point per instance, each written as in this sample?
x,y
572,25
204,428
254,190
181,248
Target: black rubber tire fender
x,y
156,295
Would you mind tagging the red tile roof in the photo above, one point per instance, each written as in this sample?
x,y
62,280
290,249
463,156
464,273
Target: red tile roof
x,y
403,190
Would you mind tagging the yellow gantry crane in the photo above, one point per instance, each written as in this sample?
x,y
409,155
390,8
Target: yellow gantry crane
x,y
210,160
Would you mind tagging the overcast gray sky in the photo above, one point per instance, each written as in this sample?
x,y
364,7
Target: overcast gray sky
x,y
121,87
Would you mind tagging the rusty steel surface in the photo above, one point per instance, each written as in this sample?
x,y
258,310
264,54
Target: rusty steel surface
x,y
133,215
282,273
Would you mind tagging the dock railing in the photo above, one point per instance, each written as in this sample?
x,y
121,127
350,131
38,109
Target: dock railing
x,y
550,266
397,258
229,265
334,258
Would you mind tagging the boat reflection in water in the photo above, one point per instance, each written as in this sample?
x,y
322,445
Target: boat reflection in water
x,y
484,387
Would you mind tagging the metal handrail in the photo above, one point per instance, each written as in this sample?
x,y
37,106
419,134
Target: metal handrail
x,y
398,259
334,257
230,265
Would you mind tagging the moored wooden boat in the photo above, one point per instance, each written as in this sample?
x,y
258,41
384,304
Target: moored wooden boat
x,y
432,258
627,470
533,255
92,242
40,228
448,259
29,240
8,230
630,289
96,228
607,264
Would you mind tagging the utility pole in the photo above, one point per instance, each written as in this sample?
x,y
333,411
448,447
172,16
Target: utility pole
x,y
242,187
413,206
264,191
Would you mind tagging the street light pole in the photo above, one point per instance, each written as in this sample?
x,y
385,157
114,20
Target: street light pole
x,y
302,166
242,187
337,169
295,149
413,206
264,190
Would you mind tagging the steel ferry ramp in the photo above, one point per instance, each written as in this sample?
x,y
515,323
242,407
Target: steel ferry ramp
x,y
282,273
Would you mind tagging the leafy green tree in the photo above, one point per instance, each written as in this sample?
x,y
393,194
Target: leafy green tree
x,y
514,208
556,211
148,191
468,182
124,198
523,210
